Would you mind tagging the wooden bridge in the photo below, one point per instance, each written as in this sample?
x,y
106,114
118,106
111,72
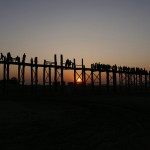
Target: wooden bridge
x,y
116,77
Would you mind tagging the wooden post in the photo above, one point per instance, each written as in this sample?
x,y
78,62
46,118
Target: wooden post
x,y
62,75
55,72
92,78
46,74
44,69
4,75
19,67
83,74
75,82
31,74
23,71
4,69
36,73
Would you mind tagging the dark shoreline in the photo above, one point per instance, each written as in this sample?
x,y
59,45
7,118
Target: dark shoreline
x,y
74,122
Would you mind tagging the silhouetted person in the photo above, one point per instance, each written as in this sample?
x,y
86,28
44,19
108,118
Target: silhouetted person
x,y
67,63
17,59
2,56
120,68
132,70
92,66
45,62
9,58
98,66
72,65
114,67
31,60
35,60
23,58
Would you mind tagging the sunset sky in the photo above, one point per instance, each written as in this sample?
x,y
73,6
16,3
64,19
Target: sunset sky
x,y
105,31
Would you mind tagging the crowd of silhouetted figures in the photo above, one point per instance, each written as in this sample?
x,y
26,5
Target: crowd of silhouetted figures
x,y
69,64
9,58
115,68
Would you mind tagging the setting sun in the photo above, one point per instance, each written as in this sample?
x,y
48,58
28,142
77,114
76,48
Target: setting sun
x,y
78,80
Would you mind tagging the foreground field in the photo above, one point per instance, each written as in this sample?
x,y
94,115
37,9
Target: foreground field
x,y
75,123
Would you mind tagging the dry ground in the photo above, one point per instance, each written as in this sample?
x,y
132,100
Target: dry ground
x,y
75,123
